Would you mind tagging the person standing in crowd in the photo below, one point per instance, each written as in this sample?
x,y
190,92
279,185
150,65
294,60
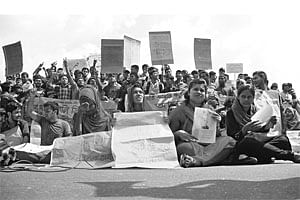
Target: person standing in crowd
x,y
191,151
204,75
134,69
13,127
285,94
51,126
27,85
112,89
85,73
274,86
144,76
38,86
251,135
91,116
179,84
154,86
103,82
195,74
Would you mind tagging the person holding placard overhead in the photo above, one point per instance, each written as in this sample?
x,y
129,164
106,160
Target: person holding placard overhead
x,y
191,151
252,134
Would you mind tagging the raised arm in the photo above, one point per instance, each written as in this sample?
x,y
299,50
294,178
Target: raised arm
x,y
30,110
71,80
38,69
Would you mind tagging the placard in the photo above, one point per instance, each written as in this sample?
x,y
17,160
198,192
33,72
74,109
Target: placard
x,y
234,67
202,53
112,56
131,52
13,58
161,48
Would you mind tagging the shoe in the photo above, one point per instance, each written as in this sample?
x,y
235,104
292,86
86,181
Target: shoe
x,y
296,158
246,161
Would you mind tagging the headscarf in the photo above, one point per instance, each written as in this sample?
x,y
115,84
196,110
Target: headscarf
x,y
100,119
241,116
130,102
292,123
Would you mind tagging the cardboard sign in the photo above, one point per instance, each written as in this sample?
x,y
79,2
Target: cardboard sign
x,y
234,67
112,56
13,58
143,139
74,64
161,48
161,101
131,52
204,126
91,150
202,53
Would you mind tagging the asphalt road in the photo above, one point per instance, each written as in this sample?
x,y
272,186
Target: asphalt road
x,y
274,181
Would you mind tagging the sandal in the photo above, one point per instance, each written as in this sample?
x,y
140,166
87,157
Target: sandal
x,y
188,161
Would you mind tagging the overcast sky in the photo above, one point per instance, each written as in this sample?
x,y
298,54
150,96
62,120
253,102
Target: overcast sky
x,y
262,36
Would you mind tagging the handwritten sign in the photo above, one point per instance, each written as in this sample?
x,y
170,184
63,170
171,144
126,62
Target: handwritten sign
x,y
202,53
74,64
161,101
143,139
13,58
161,48
131,51
234,67
112,55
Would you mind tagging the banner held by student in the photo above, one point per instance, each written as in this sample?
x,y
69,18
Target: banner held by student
x,y
131,52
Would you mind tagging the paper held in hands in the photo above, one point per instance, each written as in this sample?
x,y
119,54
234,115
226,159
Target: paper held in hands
x,y
204,126
264,114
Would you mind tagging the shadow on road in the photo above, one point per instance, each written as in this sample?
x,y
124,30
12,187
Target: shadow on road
x,y
207,189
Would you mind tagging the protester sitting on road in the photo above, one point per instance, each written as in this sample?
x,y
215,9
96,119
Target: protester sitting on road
x,y
91,116
291,119
190,151
251,135
135,99
51,126
14,128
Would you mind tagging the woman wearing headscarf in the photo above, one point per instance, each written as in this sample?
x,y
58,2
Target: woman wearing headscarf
x,y
91,116
291,119
191,152
252,135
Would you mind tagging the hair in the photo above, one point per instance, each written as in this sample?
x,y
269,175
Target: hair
x,y
194,72
246,87
5,86
126,71
54,106
263,75
135,67
211,73
25,73
221,69
191,84
145,66
60,69
37,77
89,81
134,74
85,68
12,105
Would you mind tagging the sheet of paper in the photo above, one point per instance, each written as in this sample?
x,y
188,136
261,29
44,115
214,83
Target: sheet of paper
x,y
204,126
264,114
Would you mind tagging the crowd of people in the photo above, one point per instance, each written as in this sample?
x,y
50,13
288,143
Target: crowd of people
x,y
240,140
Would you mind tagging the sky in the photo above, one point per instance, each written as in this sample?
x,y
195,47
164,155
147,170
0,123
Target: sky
x,y
263,35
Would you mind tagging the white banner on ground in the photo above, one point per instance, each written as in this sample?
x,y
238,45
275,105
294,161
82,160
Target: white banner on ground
x,y
161,48
143,139
74,64
85,151
13,58
204,126
112,56
234,67
131,52
161,101
202,53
